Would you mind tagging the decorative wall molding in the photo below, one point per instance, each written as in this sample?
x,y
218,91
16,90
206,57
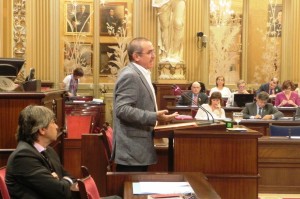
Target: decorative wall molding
x,y
19,28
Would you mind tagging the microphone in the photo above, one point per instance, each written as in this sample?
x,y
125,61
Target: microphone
x,y
178,91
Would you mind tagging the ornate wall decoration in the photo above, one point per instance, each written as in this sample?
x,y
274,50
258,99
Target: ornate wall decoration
x,y
19,32
225,42
271,45
113,54
19,28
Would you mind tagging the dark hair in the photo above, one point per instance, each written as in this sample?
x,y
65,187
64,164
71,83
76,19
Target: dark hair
x,y
286,84
31,119
218,78
135,46
203,89
78,72
263,96
215,95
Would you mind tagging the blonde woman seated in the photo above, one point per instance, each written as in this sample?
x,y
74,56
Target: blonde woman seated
x,y
241,85
213,106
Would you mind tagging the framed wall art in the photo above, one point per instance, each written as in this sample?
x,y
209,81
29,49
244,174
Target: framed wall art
x,y
112,18
78,55
275,20
78,18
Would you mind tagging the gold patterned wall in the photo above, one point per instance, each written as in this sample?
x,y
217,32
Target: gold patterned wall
x,y
44,25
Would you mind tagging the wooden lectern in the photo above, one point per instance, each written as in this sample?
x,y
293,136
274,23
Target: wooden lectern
x,y
228,159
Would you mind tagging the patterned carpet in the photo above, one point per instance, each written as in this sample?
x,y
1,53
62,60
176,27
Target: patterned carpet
x,y
278,196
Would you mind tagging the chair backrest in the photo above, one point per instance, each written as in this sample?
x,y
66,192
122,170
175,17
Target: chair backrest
x,y
108,134
284,130
107,137
77,125
3,187
87,186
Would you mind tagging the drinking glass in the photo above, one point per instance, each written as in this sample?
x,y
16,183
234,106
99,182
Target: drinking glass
x,y
237,116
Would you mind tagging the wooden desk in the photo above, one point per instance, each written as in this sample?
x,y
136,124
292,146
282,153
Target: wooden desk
x,y
262,126
228,159
279,165
186,110
11,104
116,181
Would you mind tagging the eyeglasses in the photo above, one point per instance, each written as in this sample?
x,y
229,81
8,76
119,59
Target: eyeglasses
x,y
150,52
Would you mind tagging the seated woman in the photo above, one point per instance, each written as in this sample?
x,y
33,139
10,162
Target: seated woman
x,y
214,107
220,87
241,85
287,97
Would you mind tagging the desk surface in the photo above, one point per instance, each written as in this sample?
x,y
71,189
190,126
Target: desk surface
x,y
197,180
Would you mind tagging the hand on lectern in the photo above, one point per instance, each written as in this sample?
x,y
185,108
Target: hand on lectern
x,y
163,117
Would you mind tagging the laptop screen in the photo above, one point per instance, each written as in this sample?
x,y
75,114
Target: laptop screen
x,y
241,99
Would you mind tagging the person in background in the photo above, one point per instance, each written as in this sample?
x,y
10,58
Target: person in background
x,y
214,107
81,20
241,85
30,173
261,109
271,87
135,111
203,88
112,22
297,90
287,97
193,97
220,87
70,82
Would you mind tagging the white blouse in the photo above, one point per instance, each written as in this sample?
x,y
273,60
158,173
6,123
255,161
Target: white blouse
x,y
225,91
217,114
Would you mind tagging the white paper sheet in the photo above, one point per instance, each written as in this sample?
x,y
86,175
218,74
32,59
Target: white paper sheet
x,y
161,187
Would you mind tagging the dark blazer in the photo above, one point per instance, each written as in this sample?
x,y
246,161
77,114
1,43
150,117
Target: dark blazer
x,y
28,175
266,87
134,119
187,100
251,110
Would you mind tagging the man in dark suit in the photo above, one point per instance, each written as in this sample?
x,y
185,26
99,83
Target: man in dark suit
x,y
34,170
261,109
135,111
81,21
193,97
112,22
271,87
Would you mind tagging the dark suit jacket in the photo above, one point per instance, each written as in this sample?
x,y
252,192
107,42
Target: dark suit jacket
x,y
134,119
265,87
251,110
187,100
28,175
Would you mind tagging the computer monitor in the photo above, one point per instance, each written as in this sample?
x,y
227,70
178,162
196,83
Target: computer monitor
x,y
10,67
241,99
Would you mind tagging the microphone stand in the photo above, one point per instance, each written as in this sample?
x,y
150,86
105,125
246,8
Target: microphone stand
x,y
177,89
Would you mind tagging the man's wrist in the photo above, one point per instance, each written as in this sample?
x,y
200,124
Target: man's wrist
x,y
68,179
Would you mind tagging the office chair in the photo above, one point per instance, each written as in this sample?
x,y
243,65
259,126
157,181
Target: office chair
x,y
87,186
284,130
3,187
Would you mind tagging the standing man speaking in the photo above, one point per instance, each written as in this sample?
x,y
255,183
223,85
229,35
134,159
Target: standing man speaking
x,y
135,110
